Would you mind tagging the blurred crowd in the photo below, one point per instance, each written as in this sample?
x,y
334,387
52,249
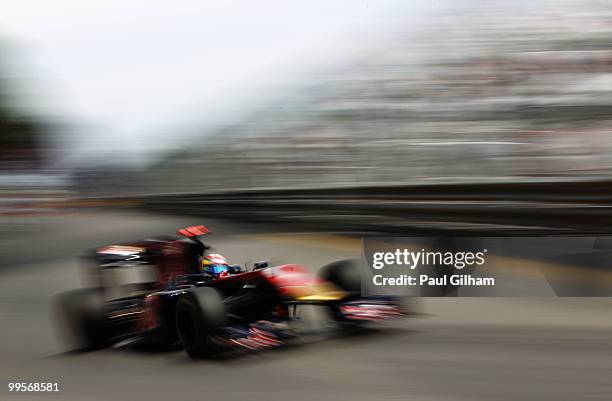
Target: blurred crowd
x,y
494,93
497,92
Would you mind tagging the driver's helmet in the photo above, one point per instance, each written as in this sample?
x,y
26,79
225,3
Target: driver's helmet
x,y
216,265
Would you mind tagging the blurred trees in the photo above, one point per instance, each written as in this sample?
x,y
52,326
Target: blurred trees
x,y
19,133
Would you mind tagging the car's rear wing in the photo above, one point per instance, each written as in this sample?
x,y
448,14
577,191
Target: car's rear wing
x,y
193,231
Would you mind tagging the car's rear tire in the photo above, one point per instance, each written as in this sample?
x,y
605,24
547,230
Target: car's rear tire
x,y
82,319
199,315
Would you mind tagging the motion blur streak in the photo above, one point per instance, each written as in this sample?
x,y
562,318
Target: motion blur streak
x,y
462,348
339,118
462,91
477,92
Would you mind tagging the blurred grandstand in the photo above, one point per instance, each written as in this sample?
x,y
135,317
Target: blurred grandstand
x,y
487,94
474,93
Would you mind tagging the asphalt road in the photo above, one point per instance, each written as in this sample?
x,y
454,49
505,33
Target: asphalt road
x,y
460,349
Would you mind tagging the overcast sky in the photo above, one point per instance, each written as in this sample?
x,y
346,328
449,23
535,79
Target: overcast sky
x,y
123,70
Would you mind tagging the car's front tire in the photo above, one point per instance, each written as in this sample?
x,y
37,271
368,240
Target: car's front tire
x,y
345,274
199,315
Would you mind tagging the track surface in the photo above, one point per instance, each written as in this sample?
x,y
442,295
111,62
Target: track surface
x,y
463,349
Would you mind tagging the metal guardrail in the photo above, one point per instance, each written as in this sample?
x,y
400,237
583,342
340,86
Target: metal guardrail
x,y
505,209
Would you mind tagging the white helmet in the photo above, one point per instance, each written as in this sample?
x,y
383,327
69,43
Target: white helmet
x,y
216,259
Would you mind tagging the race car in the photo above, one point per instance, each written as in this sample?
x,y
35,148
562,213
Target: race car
x,y
176,302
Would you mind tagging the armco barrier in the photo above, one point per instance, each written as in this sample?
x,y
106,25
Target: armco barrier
x,y
512,208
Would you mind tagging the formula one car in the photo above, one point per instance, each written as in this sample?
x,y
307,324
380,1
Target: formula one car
x,y
154,293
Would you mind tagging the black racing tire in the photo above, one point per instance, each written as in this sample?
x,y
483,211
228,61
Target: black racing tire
x,y
199,314
345,274
82,319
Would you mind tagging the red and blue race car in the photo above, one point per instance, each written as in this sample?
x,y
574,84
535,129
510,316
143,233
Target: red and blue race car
x,y
178,302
